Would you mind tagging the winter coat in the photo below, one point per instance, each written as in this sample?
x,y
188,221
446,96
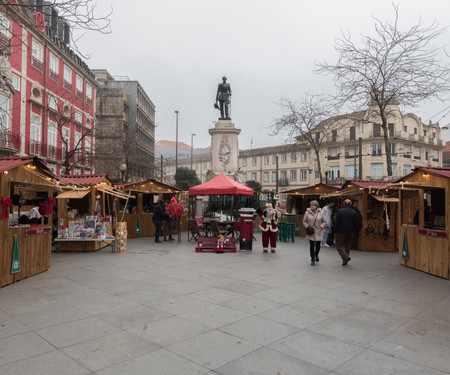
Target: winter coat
x,y
320,223
347,221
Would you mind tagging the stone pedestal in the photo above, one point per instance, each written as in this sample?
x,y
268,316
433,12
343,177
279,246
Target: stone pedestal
x,y
224,149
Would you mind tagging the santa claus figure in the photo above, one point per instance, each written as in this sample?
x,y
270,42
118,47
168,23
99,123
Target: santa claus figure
x,y
269,228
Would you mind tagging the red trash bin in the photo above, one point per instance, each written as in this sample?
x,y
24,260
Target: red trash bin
x,y
246,228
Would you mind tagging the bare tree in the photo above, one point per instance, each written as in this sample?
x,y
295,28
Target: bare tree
x,y
76,154
388,68
308,121
78,16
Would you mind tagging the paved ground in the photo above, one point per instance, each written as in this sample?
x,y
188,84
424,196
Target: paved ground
x,y
163,309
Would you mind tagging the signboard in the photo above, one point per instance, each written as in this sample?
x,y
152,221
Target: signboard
x,y
37,231
433,233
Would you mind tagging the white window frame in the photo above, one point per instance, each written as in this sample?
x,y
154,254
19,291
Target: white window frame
x,y
303,174
88,145
52,102
78,116
37,51
254,176
88,91
293,157
244,162
303,158
377,171
283,158
35,128
406,169
417,152
254,161
52,134
4,113
67,74
266,160
377,149
335,172
244,177
274,176
265,176
15,81
79,84
351,172
54,64
293,175
5,25
66,135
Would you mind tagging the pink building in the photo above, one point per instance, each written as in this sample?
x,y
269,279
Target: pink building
x,y
47,108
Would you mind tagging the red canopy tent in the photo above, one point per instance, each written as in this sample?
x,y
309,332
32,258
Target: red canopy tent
x,y
221,185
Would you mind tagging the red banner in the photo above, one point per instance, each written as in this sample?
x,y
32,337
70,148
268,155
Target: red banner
x,y
433,233
37,231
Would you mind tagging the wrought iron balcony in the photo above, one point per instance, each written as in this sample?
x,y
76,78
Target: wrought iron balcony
x,y
10,141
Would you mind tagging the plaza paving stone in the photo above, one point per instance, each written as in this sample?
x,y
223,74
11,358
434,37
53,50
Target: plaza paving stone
x,y
164,309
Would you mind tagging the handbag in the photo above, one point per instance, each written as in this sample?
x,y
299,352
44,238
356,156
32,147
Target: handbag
x,y
310,230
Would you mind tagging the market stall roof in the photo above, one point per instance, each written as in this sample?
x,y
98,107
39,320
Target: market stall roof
x,y
440,171
221,185
12,162
369,184
319,186
86,179
148,186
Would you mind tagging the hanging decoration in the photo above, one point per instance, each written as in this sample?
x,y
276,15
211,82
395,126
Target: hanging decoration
x,y
6,202
405,247
138,226
98,208
51,202
15,266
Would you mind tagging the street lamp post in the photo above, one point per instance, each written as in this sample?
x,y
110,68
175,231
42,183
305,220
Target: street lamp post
x,y
192,149
276,177
176,146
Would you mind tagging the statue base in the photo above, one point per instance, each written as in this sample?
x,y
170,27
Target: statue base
x,y
224,149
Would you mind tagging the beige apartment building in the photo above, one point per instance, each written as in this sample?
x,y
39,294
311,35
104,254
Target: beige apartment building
x,y
291,166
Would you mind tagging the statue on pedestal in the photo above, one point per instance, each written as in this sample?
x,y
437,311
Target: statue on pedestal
x,y
223,96
5,73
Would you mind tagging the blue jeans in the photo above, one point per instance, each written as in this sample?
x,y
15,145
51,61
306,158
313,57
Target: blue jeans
x,y
325,234
158,225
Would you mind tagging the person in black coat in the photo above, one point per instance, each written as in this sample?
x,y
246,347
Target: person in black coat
x,y
345,226
158,216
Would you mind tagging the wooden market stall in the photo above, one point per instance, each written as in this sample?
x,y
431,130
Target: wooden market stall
x,y
86,213
424,212
138,211
297,200
378,203
25,184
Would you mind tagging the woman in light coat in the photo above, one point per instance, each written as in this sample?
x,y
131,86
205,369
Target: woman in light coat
x,y
314,218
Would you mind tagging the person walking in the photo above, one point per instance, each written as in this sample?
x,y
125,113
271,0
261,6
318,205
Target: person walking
x,y
158,216
327,211
345,227
314,222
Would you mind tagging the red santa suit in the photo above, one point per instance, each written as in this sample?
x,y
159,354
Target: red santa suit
x,y
269,228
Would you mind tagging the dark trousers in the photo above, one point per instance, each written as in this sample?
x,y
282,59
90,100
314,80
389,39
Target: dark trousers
x,y
343,244
158,225
314,248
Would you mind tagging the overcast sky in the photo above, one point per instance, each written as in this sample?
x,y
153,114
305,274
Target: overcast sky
x,y
179,50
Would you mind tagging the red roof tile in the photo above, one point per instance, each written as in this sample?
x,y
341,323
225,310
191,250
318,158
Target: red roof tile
x,y
441,171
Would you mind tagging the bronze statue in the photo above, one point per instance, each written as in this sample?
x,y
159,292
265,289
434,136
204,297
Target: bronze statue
x,y
223,96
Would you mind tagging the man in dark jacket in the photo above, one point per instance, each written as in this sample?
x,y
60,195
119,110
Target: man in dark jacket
x,y
158,216
345,226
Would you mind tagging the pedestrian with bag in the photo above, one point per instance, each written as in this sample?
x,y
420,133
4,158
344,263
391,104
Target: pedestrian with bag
x,y
327,211
314,222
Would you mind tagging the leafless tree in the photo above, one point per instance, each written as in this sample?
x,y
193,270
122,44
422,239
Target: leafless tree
x,y
387,68
309,121
76,154
80,16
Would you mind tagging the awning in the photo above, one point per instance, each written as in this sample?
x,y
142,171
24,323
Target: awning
x,y
382,198
114,192
73,194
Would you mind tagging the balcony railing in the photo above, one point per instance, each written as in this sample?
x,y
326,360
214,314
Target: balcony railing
x,y
37,64
283,182
54,76
37,148
54,152
10,141
67,85
88,101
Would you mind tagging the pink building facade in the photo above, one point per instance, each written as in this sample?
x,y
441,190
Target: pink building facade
x,y
48,107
